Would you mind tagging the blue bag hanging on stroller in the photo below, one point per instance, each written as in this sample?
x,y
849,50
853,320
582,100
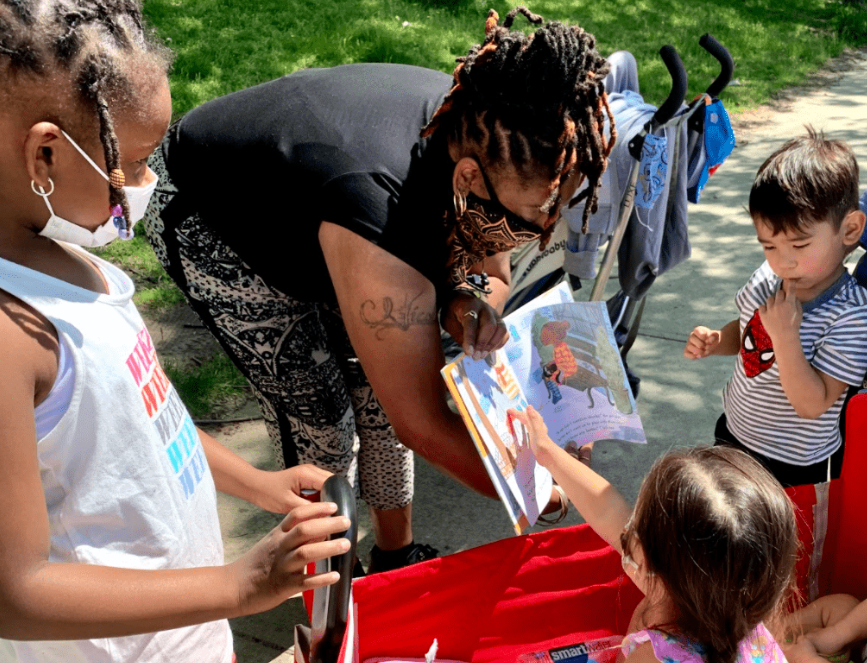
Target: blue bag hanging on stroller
x,y
674,152
719,141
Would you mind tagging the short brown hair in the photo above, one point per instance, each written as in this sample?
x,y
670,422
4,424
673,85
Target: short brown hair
x,y
720,533
810,179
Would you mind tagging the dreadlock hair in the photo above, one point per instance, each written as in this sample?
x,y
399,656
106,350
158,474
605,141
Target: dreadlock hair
x,y
530,102
99,49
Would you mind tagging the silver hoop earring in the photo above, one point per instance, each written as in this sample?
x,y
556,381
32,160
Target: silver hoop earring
x,y
460,202
42,191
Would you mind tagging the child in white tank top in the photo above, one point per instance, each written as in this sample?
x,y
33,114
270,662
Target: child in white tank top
x,y
111,545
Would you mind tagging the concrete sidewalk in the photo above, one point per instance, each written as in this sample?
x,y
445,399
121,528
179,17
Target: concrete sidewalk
x,y
679,400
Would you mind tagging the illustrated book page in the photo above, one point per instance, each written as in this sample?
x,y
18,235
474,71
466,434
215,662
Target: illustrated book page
x,y
562,359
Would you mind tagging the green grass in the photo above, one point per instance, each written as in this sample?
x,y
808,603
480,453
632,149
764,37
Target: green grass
x,y
154,288
209,388
226,45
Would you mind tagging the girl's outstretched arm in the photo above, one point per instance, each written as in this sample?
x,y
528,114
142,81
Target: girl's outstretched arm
x,y
598,502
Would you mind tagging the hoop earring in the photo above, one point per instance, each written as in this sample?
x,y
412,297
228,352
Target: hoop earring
x,y
42,191
460,202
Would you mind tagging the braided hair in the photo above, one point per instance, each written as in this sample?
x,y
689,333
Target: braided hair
x,y
97,47
530,102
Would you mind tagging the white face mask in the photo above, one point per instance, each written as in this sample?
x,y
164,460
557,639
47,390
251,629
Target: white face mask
x,y
138,198
61,229
65,231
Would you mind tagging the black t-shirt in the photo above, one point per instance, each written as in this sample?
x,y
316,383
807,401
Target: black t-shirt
x,y
264,166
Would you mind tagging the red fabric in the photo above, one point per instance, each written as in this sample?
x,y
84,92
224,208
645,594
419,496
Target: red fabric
x,y
804,499
849,573
492,603
842,553
308,596
549,589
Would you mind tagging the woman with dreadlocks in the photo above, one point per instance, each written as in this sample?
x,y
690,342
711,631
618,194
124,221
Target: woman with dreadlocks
x,y
110,549
319,224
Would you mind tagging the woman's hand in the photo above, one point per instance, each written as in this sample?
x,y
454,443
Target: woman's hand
x,y
280,492
274,569
474,324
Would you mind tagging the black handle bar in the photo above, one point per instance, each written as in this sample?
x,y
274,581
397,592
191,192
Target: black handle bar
x,y
678,87
331,604
672,103
727,65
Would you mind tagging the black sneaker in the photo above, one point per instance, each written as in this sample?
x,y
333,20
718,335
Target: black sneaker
x,y
388,560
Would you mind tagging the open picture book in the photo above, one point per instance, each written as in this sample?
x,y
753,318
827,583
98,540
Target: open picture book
x,y
562,359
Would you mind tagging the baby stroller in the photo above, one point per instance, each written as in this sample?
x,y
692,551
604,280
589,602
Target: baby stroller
x,y
662,159
562,589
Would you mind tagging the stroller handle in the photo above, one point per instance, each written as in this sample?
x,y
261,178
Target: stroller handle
x,y
670,106
727,65
678,87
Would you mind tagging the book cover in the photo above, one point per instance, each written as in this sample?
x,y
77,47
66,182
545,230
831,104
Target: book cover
x,y
562,359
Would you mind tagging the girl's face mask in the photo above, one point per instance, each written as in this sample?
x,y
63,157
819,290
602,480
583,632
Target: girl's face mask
x,y
61,229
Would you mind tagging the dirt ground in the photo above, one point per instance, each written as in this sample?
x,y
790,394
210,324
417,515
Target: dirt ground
x,y
180,337
830,73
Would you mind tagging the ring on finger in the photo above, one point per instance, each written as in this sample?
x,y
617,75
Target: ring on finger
x,y
471,314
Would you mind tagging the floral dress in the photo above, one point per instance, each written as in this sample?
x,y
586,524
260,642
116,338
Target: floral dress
x,y
758,647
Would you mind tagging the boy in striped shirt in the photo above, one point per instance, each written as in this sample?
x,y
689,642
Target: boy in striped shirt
x,y
801,338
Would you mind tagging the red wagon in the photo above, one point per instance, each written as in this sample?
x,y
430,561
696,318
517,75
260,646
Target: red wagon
x,y
559,588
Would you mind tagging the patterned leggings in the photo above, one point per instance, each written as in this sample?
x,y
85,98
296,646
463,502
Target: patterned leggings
x,y
317,403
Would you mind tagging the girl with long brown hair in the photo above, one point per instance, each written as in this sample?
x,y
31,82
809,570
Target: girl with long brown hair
x,y
711,542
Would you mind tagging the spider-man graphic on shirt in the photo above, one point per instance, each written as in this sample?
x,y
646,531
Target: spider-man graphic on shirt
x,y
757,352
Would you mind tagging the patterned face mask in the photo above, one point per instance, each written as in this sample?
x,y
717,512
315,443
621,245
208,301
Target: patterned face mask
x,y
485,228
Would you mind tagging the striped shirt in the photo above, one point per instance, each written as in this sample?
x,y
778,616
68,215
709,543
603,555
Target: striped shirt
x,y
834,341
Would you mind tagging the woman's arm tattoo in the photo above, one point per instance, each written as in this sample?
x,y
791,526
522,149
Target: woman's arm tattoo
x,y
402,317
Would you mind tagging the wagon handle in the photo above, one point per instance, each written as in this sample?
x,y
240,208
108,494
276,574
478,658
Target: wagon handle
x,y
727,65
331,604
